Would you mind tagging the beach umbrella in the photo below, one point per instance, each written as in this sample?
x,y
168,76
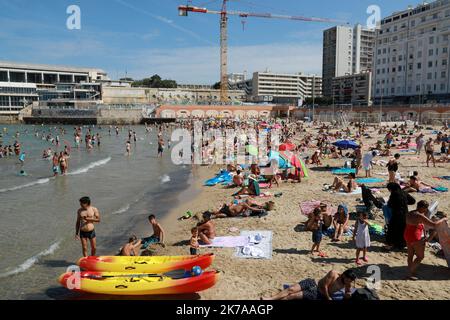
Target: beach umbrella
x,y
346,144
287,147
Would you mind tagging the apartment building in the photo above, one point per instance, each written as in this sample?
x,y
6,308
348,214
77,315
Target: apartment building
x,y
411,62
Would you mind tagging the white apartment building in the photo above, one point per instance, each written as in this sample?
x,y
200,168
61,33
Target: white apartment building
x,y
411,63
346,51
284,88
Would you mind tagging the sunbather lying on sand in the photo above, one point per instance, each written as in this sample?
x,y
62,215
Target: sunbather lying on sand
x,y
348,187
308,289
235,210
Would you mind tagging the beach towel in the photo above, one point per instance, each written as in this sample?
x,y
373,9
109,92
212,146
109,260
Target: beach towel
x,y
357,191
222,177
369,180
343,171
330,232
308,207
443,178
259,246
443,231
228,242
376,229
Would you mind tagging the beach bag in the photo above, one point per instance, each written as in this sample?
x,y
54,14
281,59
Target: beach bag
x,y
365,294
348,164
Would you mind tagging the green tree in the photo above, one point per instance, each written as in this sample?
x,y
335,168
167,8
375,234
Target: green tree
x,y
216,85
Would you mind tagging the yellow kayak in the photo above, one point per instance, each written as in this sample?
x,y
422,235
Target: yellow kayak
x,y
111,283
156,264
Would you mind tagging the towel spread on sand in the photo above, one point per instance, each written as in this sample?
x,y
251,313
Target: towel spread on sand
x,y
228,242
369,180
357,191
259,247
443,178
308,207
343,171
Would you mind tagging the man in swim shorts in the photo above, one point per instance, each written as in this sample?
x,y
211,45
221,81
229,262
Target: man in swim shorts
x,y
87,215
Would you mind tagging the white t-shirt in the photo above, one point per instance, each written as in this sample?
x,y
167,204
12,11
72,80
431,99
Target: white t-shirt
x,y
367,159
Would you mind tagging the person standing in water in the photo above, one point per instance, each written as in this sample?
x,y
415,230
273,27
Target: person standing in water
x,y
128,148
62,163
160,147
87,215
55,162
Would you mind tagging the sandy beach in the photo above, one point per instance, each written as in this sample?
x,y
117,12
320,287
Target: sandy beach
x,y
245,279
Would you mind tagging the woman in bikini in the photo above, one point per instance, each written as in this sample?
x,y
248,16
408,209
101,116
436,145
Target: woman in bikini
x,y
415,236
351,185
62,163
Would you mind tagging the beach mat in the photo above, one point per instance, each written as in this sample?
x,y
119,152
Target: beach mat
x,y
443,231
443,178
357,191
261,250
343,171
227,242
369,180
307,207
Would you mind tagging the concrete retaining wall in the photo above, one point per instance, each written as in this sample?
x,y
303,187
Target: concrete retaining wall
x,y
119,116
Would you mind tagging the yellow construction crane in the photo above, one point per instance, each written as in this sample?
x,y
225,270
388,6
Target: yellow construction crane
x,y
184,10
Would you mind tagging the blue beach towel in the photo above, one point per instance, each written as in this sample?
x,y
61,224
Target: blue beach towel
x,y
343,171
369,180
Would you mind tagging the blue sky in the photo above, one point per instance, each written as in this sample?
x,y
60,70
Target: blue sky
x,y
144,37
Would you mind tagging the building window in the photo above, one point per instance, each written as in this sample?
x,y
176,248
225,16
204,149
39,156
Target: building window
x,y
419,65
444,62
431,40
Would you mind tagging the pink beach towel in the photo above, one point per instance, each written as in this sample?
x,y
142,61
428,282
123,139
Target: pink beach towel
x,y
308,207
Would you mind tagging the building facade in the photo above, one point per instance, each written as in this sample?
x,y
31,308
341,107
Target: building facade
x,y
353,89
346,51
22,84
412,56
283,88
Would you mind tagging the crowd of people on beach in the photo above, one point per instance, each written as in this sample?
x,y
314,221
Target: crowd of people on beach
x,y
314,145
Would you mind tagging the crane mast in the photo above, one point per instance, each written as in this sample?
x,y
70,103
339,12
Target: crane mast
x,y
224,53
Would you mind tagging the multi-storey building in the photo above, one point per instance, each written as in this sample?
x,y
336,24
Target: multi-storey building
x,y
355,90
284,88
411,63
21,84
346,51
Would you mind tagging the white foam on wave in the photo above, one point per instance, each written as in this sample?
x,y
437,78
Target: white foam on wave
x,y
122,210
164,179
30,184
31,261
90,166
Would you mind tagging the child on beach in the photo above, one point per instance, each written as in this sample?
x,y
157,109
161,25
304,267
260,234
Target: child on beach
x,y
131,248
361,237
194,242
158,233
316,228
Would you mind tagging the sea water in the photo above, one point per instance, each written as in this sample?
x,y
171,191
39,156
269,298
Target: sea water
x,y
38,211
